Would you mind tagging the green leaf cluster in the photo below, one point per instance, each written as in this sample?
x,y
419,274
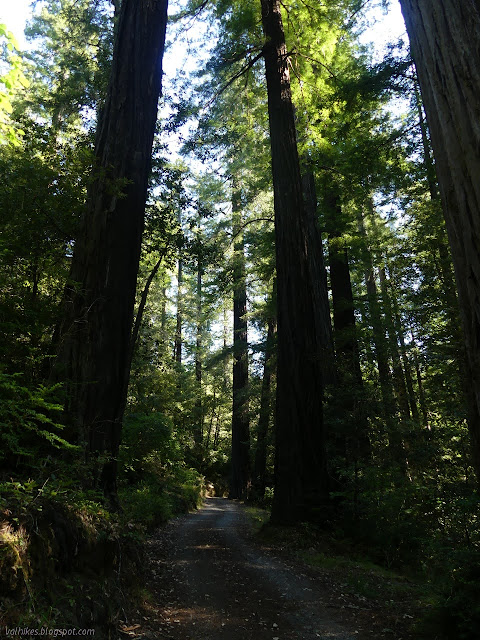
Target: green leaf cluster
x,y
30,426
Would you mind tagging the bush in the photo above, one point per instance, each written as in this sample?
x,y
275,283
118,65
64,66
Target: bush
x,y
456,611
146,504
155,484
29,422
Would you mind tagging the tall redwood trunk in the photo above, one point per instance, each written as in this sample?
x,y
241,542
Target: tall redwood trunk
x,y
445,271
352,441
177,349
319,274
240,481
378,330
346,344
301,489
399,329
398,373
444,41
95,335
260,466
198,411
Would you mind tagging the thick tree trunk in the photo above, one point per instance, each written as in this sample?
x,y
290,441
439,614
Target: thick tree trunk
x,y
240,483
94,349
444,42
301,489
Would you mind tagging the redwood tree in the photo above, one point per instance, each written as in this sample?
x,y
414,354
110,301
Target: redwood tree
x,y
301,488
100,296
240,482
444,42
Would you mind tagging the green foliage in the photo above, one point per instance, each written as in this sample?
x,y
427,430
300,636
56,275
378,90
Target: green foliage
x,y
29,420
57,541
457,610
148,443
71,64
42,192
12,80
156,484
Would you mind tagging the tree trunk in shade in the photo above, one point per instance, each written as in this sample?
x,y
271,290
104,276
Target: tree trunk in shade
x,y
198,410
444,42
352,443
177,349
310,201
240,481
259,473
99,300
398,373
302,486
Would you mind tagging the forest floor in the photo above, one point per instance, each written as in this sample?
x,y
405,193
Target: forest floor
x,y
208,577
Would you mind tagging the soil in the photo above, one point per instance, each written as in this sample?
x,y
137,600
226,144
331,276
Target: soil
x,y
209,579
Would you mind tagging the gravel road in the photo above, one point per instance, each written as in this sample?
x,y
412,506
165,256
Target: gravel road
x,y
211,583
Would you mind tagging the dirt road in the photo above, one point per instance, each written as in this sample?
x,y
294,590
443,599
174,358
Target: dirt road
x,y
212,583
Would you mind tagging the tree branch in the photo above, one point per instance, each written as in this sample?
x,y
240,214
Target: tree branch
x,y
245,69
143,302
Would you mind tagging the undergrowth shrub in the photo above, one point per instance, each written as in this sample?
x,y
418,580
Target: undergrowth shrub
x,y
55,539
427,525
30,427
453,606
155,482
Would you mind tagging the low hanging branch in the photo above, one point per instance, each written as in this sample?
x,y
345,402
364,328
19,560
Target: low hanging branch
x,y
141,307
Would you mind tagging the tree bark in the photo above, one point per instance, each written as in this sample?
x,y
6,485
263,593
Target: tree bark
x,y
346,345
353,442
260,466
198,413
100,296
320,275
405,360
444,42
177,349
398,373
302,487
240,482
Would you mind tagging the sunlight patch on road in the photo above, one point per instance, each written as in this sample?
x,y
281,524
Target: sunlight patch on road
x,y
208,547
